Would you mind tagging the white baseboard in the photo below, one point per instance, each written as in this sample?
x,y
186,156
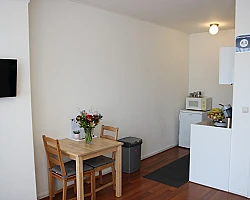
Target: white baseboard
x,y
238,193
43,195
158,151
106,171
46,193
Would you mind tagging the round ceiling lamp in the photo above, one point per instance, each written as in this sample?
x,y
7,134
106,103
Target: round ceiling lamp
x,y
214,28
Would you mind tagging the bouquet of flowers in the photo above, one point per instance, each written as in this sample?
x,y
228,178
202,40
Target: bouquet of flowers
x,y
88,121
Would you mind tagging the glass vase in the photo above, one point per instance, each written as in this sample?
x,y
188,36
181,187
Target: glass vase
x,y
88,135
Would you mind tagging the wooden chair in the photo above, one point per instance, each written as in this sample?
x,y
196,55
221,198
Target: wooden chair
x,y
102,162
64,171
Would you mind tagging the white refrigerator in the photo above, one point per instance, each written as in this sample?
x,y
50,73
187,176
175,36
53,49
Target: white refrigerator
x,y
186,118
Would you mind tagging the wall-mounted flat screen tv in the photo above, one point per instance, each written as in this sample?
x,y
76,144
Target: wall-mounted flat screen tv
x,y
8,77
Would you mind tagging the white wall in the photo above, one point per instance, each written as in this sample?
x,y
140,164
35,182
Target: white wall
x,y
240,152
135,73
204,65
17,170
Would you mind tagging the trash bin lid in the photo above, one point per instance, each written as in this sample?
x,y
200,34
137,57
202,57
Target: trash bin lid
x,y
130,141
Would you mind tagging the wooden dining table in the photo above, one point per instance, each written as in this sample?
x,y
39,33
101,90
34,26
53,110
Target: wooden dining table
x,y
80,151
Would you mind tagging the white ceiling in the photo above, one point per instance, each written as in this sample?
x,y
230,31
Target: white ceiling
x,y
190,16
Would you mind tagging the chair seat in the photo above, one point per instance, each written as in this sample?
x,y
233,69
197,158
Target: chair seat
x,y
98,161
70,168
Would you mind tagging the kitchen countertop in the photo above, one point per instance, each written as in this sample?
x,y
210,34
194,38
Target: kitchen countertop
x,y
208,123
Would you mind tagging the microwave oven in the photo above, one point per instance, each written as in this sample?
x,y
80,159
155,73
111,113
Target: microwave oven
x,y
203,104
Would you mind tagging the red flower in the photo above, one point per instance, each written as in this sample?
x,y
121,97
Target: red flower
x,y
89,117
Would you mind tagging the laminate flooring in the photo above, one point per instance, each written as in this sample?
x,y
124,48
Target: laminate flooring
x,y
135,187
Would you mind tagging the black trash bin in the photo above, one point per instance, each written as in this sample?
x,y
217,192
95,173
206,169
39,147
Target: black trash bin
x,y
131,154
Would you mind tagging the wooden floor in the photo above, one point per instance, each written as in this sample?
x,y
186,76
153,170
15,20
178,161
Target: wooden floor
x,y
135,187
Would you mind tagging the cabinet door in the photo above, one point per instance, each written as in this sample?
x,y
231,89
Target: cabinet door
x,y
210,156
226,65
186,119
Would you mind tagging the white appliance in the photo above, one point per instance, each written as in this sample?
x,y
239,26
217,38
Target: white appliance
x,y
186,118
195,103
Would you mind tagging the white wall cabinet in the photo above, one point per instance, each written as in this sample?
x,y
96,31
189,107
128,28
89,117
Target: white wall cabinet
x,y
226,67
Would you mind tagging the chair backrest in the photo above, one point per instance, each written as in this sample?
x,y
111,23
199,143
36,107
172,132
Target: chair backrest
x,y
110,129
53,153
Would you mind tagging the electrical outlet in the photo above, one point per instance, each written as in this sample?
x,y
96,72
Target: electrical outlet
x,y
245,109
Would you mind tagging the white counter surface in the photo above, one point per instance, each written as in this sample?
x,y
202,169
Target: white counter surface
x,y
206,123
209,122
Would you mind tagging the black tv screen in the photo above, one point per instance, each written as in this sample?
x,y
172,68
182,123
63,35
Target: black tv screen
x,y
8,77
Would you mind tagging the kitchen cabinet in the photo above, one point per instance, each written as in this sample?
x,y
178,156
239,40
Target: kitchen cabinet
x,y
210,155
226,66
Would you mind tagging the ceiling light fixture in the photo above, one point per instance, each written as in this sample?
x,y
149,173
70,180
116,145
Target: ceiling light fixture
x,y
214,28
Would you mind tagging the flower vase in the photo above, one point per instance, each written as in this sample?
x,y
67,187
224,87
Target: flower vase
x,y
88,135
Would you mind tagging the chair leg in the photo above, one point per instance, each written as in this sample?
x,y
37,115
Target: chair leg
x,y
75,186
100,175
113,176
93,186
64,190
51,186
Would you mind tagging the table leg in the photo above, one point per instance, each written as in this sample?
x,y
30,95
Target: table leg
x,y
79,179
118,164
